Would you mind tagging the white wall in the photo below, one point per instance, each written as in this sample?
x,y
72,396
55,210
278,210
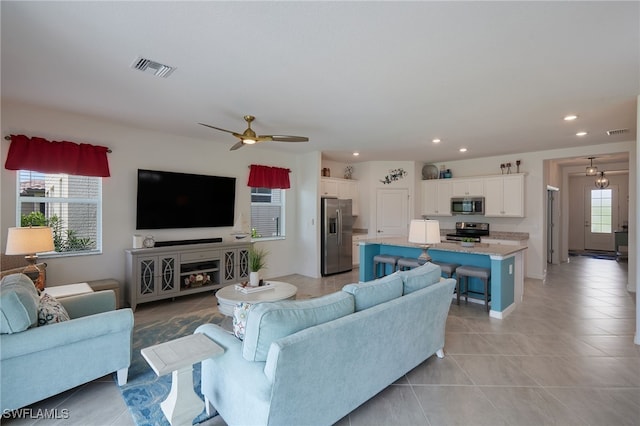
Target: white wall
x,y
135,148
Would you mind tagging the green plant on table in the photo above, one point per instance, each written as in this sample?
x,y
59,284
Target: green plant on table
x,y
257,259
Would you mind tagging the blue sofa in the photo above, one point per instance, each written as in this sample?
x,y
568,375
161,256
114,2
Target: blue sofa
x,y
314,361
37,362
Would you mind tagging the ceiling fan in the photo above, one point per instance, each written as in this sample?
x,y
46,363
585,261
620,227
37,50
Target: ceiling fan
x,y
249,137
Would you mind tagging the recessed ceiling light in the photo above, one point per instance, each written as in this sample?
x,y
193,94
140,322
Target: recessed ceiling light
x,y
581,134
355,154
463,149
436,140
570,117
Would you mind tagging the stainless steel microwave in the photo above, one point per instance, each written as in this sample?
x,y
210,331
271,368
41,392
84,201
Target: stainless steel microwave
x,y
467,205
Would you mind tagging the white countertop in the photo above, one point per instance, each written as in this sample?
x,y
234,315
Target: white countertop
x,y
478,248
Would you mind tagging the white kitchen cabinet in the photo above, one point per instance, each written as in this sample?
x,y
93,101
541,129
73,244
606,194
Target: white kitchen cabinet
x,y
467,187
436,197
328,187
504,196
342,188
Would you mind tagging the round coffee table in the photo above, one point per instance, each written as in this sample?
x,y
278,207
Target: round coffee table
x,y
229,297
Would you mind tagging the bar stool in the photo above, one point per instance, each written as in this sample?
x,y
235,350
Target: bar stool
x,y
447,268
409,263
465,272
384,259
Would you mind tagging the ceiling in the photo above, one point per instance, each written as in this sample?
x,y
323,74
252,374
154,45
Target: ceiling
x,y
380,78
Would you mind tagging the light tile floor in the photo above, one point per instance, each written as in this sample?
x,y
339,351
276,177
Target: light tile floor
x,y
565,356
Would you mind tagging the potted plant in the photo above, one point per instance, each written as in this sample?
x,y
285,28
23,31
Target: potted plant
x,y
257,261
467,242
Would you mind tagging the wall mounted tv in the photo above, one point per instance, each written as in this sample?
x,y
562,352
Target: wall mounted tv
x,y
168,200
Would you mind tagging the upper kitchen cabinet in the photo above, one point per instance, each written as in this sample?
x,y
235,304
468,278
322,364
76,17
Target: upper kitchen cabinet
x,y
467,187
504,196
436,197
343,189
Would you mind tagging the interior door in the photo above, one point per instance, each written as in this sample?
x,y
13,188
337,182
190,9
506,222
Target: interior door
x,y
600,217
392,212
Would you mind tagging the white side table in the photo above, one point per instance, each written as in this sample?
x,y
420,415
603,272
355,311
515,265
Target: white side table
x,y
177,357
68,290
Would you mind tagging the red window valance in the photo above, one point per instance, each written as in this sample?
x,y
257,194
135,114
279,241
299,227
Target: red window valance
x,y
268,177
41,155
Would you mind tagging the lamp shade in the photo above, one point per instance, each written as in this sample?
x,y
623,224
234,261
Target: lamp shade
x,y
424,231
31,240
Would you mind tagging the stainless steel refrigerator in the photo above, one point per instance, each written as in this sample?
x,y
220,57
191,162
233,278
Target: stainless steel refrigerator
x,y
336,233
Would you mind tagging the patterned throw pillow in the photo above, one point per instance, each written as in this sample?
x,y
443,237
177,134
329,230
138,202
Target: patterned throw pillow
x,y
50,311
240,313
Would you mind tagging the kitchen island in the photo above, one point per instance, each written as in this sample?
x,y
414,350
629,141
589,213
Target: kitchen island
x,y
505,261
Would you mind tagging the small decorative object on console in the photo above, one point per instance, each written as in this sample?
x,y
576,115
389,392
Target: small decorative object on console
x,y
197,280
149,242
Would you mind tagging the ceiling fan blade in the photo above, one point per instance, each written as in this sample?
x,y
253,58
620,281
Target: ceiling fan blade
x,y
285,138
239,144
218,128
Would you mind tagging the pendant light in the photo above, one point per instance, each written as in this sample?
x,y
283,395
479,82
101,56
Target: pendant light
x,y
591,169
602,181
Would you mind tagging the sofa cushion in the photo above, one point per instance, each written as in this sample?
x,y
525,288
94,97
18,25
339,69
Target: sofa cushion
x,y
269,321
375,292
420,277
50,311
18,303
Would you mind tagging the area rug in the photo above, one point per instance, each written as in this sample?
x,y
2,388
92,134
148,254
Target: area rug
x,y
594,254
144,391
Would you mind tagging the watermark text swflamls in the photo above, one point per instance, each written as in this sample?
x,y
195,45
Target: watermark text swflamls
x,y
36,414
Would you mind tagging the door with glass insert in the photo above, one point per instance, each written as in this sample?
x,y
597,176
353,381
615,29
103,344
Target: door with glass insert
x,y
600,218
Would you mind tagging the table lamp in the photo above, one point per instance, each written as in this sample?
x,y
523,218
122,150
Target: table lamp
x,y
424,232
29,241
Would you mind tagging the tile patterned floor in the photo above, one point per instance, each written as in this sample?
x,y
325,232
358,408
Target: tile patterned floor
x,y
565,356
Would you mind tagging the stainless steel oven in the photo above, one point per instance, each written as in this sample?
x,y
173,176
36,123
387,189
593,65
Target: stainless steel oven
x,y
467,205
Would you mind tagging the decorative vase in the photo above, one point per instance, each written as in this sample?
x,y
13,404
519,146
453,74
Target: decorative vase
x,y
254,279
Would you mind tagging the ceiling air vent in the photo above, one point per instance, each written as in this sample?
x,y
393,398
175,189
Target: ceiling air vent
x,y
152,67
617,132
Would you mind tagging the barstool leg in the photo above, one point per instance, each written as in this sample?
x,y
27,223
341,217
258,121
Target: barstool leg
x,y
486,294
458,287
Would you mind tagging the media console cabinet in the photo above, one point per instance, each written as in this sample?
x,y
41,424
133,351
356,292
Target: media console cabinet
x,y
171,271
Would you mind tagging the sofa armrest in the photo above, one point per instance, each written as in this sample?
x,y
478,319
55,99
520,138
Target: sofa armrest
x,y
48,337
86,304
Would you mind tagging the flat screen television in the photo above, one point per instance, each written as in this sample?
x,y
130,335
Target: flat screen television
x,y
168,200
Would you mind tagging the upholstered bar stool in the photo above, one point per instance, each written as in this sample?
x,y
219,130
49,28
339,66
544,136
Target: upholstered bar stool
x,y
465,272
447,268
409,263
384,259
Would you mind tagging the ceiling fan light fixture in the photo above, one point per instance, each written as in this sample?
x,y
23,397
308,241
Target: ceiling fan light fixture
x,y
249,141
570,117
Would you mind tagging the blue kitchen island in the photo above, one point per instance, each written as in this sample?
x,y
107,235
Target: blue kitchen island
x,y
505,261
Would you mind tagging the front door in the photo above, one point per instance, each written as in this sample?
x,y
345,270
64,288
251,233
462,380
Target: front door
x,y
600,217
392,212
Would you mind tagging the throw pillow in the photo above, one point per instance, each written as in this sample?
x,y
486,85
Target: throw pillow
x,y
51,311
18,304
240,313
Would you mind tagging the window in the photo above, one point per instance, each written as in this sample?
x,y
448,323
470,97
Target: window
x,y
267,213
71,205
601,202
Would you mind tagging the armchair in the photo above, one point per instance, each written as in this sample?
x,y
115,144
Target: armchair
x,y
43,361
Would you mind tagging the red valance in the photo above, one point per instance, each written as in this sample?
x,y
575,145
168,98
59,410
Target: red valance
x,y
268,177
41,155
